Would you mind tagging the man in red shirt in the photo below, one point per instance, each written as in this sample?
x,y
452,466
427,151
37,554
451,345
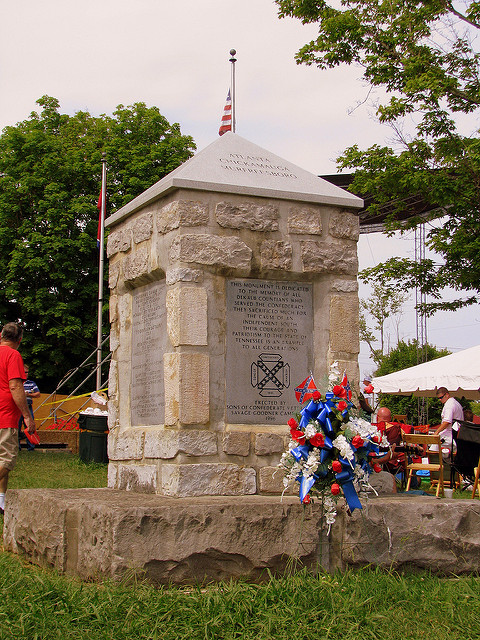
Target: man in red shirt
x,y
13,402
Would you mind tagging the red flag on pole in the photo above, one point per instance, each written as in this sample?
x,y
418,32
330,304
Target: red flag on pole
x,y
226,124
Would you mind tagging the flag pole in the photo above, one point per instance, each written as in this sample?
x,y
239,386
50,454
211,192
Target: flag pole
x,y
100,271
233,60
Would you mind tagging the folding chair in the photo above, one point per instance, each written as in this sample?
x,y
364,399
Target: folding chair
x,y
476,484
412,468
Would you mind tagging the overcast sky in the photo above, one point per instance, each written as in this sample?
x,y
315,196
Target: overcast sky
x,y
96,54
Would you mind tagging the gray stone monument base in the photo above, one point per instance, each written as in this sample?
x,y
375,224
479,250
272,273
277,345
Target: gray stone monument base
x,y
103,533
421,532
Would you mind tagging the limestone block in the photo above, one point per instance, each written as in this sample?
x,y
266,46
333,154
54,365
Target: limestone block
x,y
345,286
113,378
411,531
344,225
102,533
113,274
112,416
344,325
114,339
207,480
276,255
247,216
270,480
113,308
137,477
137,264
142,228
126,444
118,241
236,443
186,377
182,213
187,315
305,220
211,250
183,274
112,475
268,443
106,533
167,444
124,311
329,258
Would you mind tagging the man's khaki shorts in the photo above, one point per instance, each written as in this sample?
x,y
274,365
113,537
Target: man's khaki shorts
x,y
8,448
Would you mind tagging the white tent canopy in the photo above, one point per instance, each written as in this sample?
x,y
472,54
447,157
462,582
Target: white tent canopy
x,y
458,372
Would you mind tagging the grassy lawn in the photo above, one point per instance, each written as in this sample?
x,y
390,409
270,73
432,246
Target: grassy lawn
x,y
39,604
55,470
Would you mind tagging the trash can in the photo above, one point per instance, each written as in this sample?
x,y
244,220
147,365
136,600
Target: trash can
x,y
93,438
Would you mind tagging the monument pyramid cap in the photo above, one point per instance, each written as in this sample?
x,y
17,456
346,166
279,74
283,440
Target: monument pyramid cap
x,y
232,164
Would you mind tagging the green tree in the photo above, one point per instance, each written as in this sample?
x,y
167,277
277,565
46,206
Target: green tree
x,y
383,304
50,176
404,355
422,53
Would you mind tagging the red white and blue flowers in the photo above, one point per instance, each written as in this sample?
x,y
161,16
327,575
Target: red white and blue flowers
x,y
332,451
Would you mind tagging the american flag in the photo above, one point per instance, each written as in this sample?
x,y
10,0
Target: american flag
x,y
226,124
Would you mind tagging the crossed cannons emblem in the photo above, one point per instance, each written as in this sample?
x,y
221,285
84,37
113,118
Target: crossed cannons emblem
x,y
270,375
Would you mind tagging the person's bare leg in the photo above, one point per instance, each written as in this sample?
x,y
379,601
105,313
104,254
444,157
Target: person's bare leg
x,y
3,479
3,486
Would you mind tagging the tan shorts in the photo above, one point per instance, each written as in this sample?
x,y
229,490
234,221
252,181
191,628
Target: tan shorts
x,y
8,448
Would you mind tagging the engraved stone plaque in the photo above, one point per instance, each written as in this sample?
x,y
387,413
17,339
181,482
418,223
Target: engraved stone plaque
x,y
149,337
269,349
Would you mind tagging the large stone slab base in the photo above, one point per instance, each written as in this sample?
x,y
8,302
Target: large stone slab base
x,y
396,532
100,533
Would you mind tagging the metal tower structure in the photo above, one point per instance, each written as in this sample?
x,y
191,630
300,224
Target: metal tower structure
x,y
421,318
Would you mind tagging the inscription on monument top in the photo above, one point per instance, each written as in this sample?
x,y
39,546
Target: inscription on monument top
x,y
255,164
148,347
269,348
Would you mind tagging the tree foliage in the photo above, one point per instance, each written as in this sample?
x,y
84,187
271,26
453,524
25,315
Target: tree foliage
x,y
383,304
405,355
422,53
50,177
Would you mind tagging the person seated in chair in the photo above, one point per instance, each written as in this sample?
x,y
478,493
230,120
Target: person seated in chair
x,y
395,459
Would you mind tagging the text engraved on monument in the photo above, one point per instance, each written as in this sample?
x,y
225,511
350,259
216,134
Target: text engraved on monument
x,y
148,348
269,348
261,165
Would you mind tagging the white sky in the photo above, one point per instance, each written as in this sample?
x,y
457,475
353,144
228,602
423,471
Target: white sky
x,y
96,54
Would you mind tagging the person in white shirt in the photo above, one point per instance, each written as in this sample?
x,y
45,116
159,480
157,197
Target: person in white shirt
x,y
451,412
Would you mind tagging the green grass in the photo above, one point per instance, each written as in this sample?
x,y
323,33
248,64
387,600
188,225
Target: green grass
x,y
55,470
366,604
39,604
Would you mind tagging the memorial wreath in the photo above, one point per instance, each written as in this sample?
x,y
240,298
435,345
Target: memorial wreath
x,y
332,451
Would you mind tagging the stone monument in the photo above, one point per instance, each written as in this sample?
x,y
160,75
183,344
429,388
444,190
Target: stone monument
x,y
231,280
